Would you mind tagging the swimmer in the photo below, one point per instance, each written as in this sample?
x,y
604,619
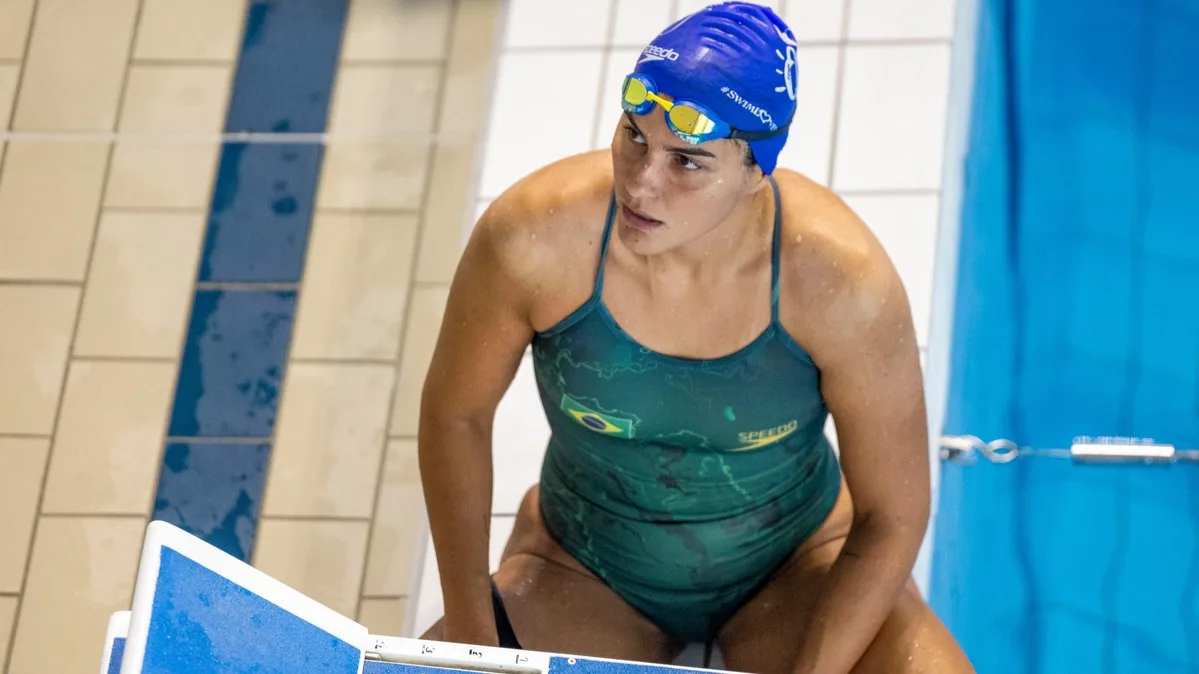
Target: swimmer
x,y
694,316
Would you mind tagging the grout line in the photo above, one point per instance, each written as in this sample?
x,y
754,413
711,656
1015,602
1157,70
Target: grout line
x,y
555,49
234,286
392,62
204,440
843,42
66,372
674,11
427,189
891,192
328,210
25,436
313,518
838,95
157,62
94,516
185,210
385,596
41,282
101,358
343,361
234,137
605,59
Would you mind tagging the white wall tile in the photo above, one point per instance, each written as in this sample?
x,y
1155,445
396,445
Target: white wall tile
x,y
815,20
519,439
639,21
431,603
529,130
889,19
893,110
553,23
810,142
691,6
620,62
906,225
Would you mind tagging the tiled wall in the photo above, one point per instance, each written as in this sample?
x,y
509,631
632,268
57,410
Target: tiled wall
x,y
874,80
227,332
231,333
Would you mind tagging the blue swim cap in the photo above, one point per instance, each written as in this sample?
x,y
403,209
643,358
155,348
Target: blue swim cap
x,y
736,58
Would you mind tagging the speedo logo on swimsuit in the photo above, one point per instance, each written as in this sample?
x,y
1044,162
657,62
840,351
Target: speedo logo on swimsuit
x,y
656,53
756,439
598,422
754,110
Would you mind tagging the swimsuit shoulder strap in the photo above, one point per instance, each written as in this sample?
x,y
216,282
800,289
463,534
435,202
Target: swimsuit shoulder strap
x,y
607,236
775,252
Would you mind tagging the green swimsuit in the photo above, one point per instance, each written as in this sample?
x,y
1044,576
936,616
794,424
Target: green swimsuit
x,y
683,484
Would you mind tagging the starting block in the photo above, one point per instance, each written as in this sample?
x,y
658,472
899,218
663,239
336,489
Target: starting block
x,y
198,610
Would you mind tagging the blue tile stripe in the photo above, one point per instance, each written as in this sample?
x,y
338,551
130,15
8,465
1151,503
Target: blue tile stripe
x,y
235,356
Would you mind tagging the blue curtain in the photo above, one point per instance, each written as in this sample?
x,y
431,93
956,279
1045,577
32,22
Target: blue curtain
x,y
1077,313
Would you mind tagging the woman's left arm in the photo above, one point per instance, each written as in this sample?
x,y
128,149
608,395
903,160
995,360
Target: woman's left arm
x,y
872,381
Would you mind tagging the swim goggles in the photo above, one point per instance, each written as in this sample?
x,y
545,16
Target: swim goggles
x,y
689,120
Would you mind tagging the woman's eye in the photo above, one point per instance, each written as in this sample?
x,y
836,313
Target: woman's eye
x,y
686,163
634,136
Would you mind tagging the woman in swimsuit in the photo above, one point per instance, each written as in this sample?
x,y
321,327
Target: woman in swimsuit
x,y
694,316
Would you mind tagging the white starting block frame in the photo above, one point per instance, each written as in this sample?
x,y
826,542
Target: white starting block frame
x,y
199,610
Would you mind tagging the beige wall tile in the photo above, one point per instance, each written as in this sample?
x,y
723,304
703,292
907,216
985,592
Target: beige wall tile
x,y
396,29
449,205
373,175
387,617
14,27
8,90
109,439
139,290
469,72
355,286
49,198
8,620
82,571
398,525
22,464
156,174
195,31
373,99
163,98
75,66
421,331
470,68
33,356
321,559
329,441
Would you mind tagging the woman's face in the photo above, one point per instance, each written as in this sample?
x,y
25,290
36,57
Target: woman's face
x,y
669,192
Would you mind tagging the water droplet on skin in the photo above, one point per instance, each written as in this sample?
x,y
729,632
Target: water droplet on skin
x,y
798,238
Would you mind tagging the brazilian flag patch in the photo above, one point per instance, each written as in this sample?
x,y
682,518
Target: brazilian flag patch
x,y
597,421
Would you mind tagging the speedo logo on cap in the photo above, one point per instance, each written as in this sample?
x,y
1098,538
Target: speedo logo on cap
x,y
656,53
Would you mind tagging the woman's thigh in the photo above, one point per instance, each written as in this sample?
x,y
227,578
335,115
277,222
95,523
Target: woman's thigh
x,y
557,605
766,635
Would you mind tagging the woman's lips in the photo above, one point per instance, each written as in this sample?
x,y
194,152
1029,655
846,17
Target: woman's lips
x,y
638,220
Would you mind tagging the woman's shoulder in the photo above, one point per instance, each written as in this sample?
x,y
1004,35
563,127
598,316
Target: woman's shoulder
x,y
833,268
822,236
545,230
560,205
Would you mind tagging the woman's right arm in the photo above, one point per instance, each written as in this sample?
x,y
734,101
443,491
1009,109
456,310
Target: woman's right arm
x,y
483,336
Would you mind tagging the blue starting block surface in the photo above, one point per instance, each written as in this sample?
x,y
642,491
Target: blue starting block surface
x,y
198,610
